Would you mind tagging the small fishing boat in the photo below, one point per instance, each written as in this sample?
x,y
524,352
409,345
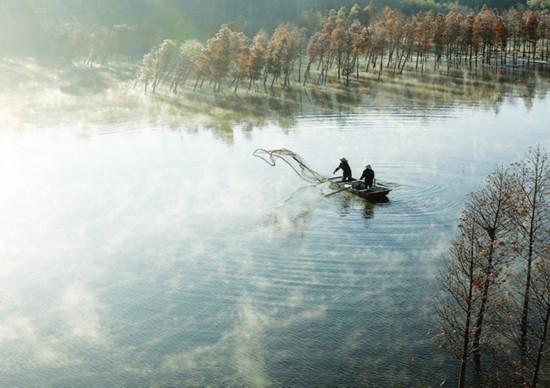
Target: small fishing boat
x,y
376,193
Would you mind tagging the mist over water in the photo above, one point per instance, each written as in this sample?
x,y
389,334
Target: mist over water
x,y
162,252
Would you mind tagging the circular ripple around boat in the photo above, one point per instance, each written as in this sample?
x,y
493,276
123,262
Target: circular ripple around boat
x,y
429,199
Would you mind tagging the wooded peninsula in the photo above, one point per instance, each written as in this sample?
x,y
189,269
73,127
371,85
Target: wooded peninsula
x,y
270,44
349,43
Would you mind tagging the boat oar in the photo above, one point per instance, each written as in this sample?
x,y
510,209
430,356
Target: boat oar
x,y
337,191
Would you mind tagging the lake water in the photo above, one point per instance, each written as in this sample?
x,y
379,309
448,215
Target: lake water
x,y
141,253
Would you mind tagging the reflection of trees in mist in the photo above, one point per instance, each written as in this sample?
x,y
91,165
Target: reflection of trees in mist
x,y
426,91
106,89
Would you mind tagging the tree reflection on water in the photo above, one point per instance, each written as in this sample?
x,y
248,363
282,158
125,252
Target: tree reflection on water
x,y
109,92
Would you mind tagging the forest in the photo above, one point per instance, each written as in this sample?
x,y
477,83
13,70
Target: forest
x,y
68,29
348,44
233,45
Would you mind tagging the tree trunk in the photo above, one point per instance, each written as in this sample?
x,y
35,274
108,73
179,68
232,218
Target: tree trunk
x,y
466,343
478,328
540,350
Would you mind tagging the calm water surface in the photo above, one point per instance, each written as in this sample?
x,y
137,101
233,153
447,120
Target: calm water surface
x,y
140,254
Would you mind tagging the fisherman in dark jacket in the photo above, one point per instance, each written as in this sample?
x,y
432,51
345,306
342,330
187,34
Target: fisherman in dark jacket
x,y
368,176
346,170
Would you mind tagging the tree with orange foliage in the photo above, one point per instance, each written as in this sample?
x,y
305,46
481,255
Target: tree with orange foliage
x,y
409,41
359,43
340,42
471,38
216,59
394,22
283,50
544,34
257,57
240,58
424,38
514,22
485,33
501,38
439,38
530,27
315,49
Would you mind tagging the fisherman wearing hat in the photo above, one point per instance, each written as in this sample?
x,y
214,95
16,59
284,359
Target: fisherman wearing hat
x,y
368,175
346,170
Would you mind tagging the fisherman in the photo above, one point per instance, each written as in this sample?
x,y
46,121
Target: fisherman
x,y
368,176
346,170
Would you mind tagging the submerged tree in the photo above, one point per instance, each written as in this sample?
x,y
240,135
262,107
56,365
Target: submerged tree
x,y
476,272
257,57
215,60
348,42
540,291
531,226
158,64
283,50
495,298
189,52
456,307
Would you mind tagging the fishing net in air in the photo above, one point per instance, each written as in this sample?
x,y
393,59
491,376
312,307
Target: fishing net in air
x,y
295,161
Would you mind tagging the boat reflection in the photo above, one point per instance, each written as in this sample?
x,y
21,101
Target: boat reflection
x,y
350,204
293,217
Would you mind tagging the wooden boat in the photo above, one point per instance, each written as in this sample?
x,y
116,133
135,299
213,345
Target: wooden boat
x,y
376,193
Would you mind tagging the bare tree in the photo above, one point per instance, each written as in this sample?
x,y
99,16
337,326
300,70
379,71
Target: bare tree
x,y
541,304
457,305
531,226
475,273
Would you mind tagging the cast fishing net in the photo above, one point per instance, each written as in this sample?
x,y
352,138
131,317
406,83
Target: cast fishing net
x,y
295,161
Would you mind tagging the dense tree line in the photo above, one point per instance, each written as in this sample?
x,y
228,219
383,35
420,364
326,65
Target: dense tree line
x,y
70,29
349,43
494,308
